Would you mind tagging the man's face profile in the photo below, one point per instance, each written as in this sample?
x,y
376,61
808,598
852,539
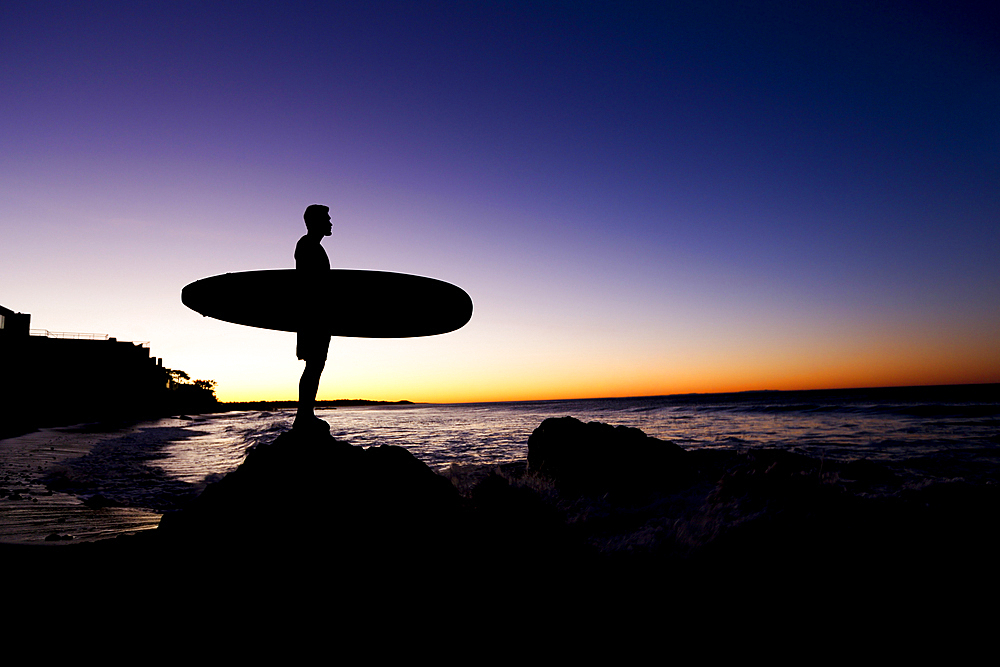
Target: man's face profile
x,y
318,221
325,224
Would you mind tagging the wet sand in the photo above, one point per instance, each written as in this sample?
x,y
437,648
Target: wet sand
x,y
30,513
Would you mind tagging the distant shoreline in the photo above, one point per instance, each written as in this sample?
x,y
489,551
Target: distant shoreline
x,y
957,392
11,426
279,405
15,429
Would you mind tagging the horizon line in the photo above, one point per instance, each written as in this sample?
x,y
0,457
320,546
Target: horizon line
x,y
594,398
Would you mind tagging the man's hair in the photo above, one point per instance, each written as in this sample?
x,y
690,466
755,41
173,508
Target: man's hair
x,y
314,213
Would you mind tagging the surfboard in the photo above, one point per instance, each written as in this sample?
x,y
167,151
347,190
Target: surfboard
x,y
341,302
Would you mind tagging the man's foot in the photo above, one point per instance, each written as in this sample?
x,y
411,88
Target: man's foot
x,y
310,424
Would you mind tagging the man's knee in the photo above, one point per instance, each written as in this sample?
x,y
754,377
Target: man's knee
x,y
314,367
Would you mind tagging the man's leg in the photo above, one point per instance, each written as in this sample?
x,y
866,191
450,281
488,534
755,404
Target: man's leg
x,y
308,386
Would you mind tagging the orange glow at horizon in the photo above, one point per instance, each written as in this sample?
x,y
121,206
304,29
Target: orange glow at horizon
x,y
822,371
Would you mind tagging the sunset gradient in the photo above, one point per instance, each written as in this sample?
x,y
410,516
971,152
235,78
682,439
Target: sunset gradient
x,y
640,198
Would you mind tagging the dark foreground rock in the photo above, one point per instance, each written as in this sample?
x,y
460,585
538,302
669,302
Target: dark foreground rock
x,y
643,503
601,458
307,492
596,508
307,498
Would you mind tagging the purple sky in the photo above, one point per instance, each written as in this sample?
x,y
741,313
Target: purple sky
x,y
639,199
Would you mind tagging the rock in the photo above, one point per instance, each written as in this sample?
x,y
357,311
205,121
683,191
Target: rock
x,y
515,524
596,457
308,493
870,472
56,537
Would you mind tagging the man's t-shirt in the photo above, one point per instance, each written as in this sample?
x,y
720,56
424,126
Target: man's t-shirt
x,y
310,257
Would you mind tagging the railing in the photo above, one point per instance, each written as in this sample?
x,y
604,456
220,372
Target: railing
x,y
81,336
68,334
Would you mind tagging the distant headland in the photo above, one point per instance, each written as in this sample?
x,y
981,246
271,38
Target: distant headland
x,y
281,405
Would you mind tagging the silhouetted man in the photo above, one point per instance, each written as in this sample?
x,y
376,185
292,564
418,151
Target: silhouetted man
x,y
313,342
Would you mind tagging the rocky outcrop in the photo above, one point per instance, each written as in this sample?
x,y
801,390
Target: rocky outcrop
x,y
308,515
308,495
599,458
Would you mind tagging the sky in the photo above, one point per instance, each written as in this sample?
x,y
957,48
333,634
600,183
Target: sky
x,y
640,198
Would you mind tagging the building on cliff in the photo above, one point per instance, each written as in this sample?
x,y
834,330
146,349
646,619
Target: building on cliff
x,y
49,378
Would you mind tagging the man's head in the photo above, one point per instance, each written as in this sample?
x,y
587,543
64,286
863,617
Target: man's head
x,y
317,219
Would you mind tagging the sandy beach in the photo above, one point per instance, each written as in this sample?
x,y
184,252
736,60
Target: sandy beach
x,y
30,509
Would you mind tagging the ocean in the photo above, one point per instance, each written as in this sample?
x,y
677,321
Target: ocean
x,y
90,482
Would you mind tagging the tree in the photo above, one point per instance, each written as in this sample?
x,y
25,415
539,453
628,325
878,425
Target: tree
x,y
175,378
206,385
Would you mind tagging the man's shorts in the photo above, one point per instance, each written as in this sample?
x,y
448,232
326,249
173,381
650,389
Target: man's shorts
x,y
312,346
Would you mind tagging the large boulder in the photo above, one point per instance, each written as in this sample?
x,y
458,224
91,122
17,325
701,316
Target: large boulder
x,y
597,457
308,493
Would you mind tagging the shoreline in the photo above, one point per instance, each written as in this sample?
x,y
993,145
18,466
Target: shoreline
x,y
958,393
159,447
614,511
28,507
27,457
119,421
